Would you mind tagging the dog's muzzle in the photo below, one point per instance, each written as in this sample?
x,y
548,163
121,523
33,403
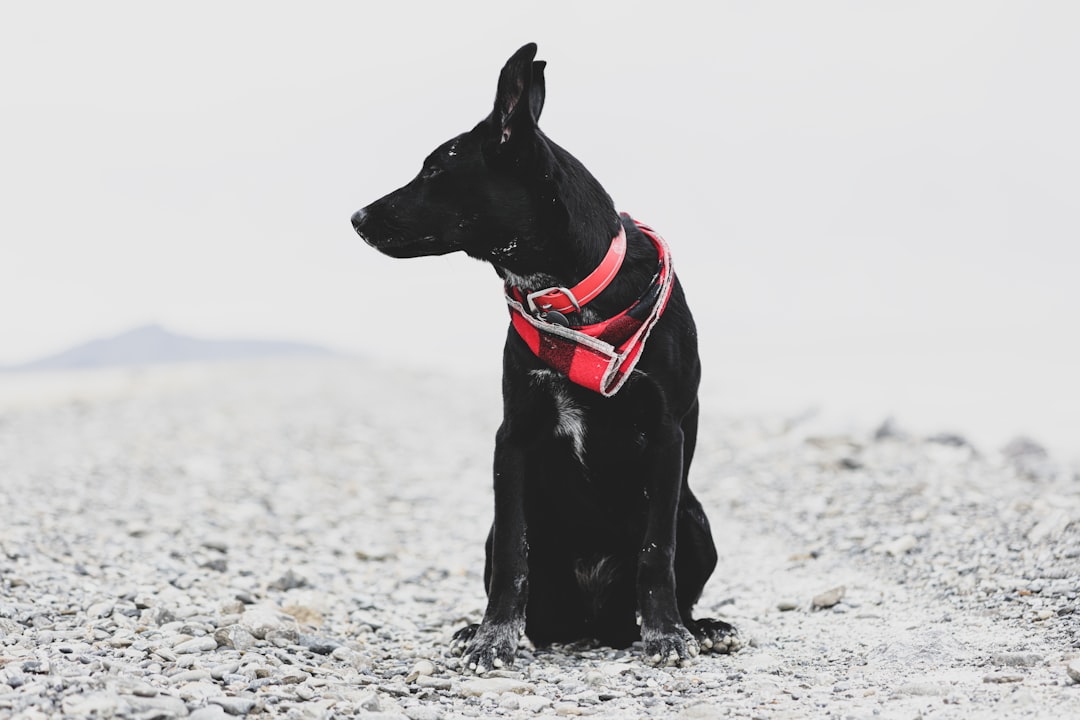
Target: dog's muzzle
x,y
358,220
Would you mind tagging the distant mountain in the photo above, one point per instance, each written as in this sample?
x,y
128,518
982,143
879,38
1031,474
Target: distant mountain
x,y
154,345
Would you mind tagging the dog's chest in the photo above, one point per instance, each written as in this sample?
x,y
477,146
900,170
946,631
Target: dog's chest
x,y
570,416
599,432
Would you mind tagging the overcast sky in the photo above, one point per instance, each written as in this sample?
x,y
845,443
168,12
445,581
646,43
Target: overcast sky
x,y
868,202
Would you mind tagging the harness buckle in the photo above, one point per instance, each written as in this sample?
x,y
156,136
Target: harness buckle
x,y
537,310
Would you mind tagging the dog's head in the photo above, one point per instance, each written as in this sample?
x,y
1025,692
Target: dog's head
x,y
488,192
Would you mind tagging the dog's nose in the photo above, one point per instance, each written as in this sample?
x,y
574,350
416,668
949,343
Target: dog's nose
x,y
358,219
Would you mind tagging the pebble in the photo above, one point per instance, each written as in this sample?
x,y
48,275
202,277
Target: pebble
x,y
433,682
422,668
195,645
1016,659
217,672
194,691
318,644
366,700
829,598
95,704
289,581
233,705
208,712
189,676
424,712
923,688
158,706
1073,669
136,687
496,686
235,637
1003,677
342,653
533,703
267,623
99,610
293,676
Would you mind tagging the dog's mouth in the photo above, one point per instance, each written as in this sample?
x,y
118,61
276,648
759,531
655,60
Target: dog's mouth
x,y
397,246
399,242
402,248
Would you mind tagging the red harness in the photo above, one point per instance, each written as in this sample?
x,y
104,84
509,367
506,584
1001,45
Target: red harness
x,y
600,356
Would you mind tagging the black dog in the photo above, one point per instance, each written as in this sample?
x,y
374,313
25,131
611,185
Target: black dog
x,y
595,524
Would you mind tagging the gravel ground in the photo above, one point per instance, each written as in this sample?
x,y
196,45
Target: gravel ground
x,y
300,539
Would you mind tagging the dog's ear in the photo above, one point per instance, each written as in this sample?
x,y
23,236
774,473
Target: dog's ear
x,y
537,93
517,93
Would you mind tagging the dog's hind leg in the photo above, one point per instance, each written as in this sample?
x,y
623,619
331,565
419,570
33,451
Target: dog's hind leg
x,y
689,426
695,556
695,559
665,636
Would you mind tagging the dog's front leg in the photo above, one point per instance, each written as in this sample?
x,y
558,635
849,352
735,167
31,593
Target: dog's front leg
x,y
667,640
493,643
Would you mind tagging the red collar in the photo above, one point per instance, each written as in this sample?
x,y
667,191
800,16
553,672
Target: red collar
x,y
566,300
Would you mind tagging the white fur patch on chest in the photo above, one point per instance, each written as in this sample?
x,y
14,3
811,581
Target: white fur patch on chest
x,y
570,417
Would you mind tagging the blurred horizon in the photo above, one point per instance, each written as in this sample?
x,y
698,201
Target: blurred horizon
x,y
873,207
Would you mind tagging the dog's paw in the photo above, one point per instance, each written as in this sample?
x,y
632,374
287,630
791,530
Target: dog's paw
x,y
461,639
485,647
716,635
675,646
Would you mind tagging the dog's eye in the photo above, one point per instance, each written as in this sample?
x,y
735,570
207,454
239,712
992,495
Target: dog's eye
x,y
430,172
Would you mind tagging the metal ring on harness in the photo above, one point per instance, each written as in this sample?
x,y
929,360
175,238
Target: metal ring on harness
x,y
531,299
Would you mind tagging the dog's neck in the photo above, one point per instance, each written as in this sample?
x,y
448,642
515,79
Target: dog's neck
x,y
583,255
